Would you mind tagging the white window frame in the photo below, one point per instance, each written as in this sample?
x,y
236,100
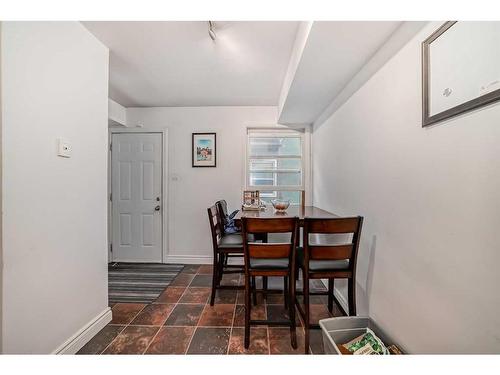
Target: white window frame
x,y
274,178
282,132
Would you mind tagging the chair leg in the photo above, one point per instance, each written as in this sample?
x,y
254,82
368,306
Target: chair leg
x,y
286,292
254,292
221,267
215,277
248,307
291,311
264,286
351,296
305,290
330,295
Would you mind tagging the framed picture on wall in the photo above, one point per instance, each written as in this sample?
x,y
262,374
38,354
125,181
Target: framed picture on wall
x,y
460,66
204,149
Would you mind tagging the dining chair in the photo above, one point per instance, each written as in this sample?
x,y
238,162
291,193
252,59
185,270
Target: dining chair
x,y
330,249
222,207
223,214
224,245
270,259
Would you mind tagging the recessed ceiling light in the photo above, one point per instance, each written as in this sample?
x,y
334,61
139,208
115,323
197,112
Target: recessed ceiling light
x,y
211,32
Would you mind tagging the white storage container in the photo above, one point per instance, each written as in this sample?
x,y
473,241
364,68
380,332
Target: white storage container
x,y
338,331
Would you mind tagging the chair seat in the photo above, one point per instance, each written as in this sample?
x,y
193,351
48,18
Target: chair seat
x,y
233,240
322,265
264,263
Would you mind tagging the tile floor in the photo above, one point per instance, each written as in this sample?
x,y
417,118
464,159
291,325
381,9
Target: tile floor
x,y
181,321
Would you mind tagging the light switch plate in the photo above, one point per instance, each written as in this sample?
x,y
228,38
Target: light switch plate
x,y
63,148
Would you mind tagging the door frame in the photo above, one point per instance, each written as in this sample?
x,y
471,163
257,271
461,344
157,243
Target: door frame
x,y
164,186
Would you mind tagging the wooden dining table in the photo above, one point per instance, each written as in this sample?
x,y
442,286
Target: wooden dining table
x,y
299,211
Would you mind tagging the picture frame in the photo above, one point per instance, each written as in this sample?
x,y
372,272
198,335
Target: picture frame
x,y
451,84
204,150
251,200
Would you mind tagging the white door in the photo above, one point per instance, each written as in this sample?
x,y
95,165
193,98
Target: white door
x,y
136,197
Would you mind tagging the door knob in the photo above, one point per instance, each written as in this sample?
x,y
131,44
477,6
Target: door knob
x,y
157,208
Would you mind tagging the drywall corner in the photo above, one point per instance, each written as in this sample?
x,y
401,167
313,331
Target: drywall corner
x,y
117,114
1,199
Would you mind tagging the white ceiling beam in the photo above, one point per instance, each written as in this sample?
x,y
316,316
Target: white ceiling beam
x,y
297,50
117,114
330,61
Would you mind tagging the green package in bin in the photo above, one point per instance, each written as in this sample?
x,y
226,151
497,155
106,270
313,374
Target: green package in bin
x,y
368,343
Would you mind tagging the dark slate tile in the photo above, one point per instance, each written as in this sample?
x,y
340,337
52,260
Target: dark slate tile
x,y
210,341
232,279
195,295
217,316
314,300
153,315
185,315
280,343
170,295
191,268
171,340
205,269
275,299
182,279
201,281
240,298
100,341
256,313
278,313
132,340
317,312
225,296
123,313
259,343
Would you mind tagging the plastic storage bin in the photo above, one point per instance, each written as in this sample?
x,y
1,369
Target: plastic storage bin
x,y
338,331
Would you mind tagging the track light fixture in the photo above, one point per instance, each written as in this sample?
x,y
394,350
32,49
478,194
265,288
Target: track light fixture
x,y
211,32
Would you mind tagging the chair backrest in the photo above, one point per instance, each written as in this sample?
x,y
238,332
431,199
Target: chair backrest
x,y
269,225
222,208
216,226
328,249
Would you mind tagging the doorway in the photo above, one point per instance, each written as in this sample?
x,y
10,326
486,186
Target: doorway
x,y
137,196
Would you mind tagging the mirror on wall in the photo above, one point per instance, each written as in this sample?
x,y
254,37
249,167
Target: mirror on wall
x,y
461,69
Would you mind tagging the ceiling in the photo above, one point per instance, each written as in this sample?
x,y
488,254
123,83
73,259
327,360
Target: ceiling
x,y
177,64
331,57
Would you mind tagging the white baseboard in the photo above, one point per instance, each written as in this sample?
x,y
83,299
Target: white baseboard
x,y
190,259
340,297
79,339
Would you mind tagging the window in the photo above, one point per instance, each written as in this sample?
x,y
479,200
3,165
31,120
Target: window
x,y
275,164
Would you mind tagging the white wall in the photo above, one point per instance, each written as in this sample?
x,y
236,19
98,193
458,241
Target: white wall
x,y
192,190
428,265
1,184
54,84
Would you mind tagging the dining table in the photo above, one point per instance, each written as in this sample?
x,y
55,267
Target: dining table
x,y
292,211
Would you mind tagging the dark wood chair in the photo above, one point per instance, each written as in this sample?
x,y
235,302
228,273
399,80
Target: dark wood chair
x,y
270,259
223,214
224,246
330,248
221,206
